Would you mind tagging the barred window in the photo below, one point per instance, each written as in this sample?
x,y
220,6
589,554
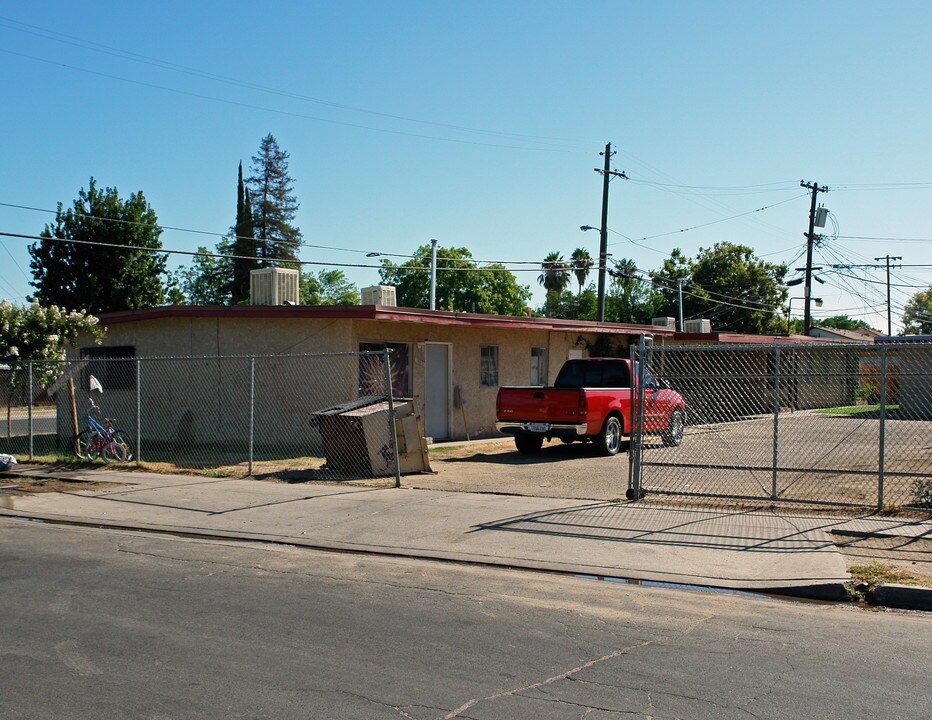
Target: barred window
x,y
488,368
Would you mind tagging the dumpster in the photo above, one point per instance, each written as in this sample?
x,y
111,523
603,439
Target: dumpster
x,y
356,441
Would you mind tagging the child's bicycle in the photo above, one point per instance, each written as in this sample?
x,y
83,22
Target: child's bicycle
x,y
102,440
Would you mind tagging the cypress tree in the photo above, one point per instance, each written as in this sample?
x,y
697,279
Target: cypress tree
x,y
244,244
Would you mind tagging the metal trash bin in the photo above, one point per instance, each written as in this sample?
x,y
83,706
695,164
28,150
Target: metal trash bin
x,y
346,442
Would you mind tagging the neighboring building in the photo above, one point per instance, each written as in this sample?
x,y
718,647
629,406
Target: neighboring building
x,y
450,363
912,354
864,335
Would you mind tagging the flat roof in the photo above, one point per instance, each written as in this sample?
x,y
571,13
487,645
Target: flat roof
x,y
379,313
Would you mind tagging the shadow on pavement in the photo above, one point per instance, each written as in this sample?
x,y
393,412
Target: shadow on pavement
x,y
745,530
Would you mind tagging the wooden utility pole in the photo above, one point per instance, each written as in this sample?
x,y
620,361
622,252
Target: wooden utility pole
x,y
888,258
607,175
810,239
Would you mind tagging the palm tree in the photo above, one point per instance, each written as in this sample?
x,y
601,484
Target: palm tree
x,y
555,277
582,262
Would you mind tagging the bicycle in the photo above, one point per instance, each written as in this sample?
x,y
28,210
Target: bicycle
x,y
102,440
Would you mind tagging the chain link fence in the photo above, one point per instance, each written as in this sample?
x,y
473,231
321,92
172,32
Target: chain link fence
x,y
841,425
295,417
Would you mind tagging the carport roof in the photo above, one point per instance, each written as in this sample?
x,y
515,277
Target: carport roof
x,y
380,313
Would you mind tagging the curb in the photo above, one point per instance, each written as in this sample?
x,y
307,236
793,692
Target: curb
x,y
816,590
902,597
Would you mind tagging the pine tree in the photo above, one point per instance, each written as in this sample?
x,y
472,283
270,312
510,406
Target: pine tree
x,y
244,244
270,187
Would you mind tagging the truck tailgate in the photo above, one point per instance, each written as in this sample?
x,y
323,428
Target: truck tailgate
x,y
536,404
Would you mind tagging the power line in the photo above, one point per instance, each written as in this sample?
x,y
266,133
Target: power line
x,y
187,70
251,106
713,222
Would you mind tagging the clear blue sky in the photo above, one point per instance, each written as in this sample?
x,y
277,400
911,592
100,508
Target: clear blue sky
x,y
479,123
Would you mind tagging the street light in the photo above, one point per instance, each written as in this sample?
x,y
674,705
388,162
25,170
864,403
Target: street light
x,y
789,309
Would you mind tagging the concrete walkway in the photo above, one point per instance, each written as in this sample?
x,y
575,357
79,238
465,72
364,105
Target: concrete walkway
x,y
752,551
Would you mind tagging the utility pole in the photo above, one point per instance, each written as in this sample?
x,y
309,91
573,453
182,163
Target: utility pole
x,y
679,287
888,258
810,240
607,175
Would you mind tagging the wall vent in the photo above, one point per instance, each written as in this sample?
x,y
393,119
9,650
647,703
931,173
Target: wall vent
x,y
273,286
697,326
379,295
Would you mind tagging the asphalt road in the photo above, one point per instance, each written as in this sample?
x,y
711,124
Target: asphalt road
x,y
102,624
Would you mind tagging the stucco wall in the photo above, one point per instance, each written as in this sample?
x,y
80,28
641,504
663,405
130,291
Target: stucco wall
x,y
207,399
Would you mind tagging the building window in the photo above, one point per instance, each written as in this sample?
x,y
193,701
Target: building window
x,y
488,368
114,367
538,366
372,369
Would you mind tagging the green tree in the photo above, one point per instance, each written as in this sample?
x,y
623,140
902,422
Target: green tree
x,y
582,263
745,292
917,314
40,335
206,280
462,285
274,205
574,306
842,322
109,274
727,284
328,287
630,299
244,244
554,276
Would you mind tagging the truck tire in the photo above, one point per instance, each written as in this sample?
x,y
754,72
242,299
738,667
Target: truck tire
x,y
609,440
528,443
673,435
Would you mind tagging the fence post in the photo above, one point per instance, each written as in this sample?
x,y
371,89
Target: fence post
x,y
392,433
776,421
637,435
138,415
252,410
30,409
883,425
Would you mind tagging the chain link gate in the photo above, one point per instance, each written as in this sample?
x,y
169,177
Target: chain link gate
x,y
839,425
313,416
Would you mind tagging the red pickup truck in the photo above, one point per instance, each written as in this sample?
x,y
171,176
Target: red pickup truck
x,y
591,400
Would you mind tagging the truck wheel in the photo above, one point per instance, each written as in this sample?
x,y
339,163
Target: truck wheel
x,y
609,440
673,435
528,443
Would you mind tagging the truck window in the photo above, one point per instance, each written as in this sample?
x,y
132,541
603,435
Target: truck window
x,y
598,374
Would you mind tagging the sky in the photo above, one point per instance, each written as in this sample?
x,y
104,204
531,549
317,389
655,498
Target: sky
x,y
480,124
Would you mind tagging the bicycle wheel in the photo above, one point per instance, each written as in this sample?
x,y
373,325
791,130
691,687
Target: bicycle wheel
x,y
120,447
84,442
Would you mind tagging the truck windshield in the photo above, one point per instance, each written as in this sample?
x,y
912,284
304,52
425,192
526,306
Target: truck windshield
x,y
594,374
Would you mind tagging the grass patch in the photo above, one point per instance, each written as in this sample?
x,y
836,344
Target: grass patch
x,y
854,409
878,573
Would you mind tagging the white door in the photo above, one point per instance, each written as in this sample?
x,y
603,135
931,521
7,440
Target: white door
x,y
437,391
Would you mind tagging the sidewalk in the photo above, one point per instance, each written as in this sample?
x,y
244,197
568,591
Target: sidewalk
x,y
751,551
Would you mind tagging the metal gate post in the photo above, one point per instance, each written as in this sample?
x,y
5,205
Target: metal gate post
x,y
392,432
30,409
776,421
883,425
637,435
138,416
633,467
252,410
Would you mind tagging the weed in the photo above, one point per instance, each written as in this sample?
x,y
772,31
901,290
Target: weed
x,y
922,493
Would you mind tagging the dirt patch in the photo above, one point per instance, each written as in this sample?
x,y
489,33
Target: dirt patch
x,y
30,486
